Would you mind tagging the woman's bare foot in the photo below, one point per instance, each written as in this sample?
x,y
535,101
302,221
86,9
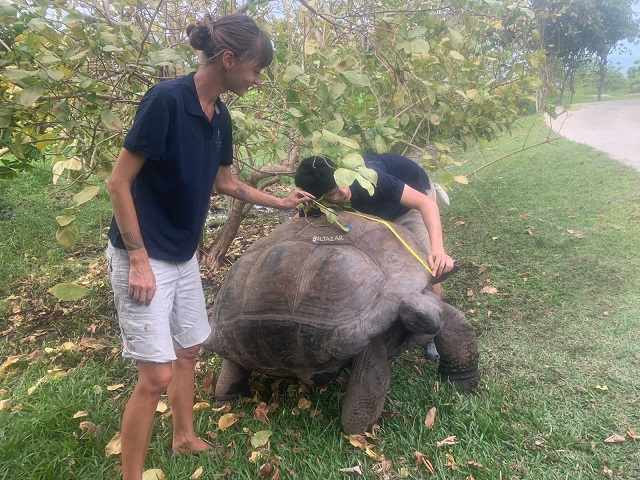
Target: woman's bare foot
x,y
194,445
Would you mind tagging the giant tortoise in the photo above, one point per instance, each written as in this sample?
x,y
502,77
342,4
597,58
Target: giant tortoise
x,y
308,300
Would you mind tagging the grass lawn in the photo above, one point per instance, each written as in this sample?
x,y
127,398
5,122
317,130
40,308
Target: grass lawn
x,y
549,243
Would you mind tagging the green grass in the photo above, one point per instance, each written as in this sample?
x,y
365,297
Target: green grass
x,y
590,94
556,230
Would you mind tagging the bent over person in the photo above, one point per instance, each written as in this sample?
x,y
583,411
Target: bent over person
x,y
403,194
178,148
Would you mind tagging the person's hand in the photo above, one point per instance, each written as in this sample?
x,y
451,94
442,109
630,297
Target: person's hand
x,y
142,281
296,198
440,262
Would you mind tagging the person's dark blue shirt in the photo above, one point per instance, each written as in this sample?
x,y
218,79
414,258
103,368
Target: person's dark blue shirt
x,y
183,151
394,172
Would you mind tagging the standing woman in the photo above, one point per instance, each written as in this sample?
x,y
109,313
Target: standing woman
x,y
178,148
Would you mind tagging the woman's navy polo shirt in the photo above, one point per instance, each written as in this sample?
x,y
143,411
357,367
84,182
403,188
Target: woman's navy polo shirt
x,y
394,172
183,151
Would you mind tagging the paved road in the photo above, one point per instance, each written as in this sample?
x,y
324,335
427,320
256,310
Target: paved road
x,y
612,127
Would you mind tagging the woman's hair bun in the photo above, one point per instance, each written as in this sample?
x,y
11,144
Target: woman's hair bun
x,y
199,36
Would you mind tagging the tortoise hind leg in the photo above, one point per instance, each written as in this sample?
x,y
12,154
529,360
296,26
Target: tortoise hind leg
x,y
233,382
368,384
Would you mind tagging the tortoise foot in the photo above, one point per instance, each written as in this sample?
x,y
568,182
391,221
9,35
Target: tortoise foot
x,y
463,382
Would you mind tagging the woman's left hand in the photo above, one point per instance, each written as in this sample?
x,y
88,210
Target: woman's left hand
x,y
296,198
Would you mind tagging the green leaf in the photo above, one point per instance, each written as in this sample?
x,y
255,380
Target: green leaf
x,y
368,174
330,137
292,72
30,95
16,74
344,177
461,179
366,184
456,55
62,165
420,46
64,220
357,78
260,439
80,55
349,142
5,117
295,112
352,161
67,292
335,126
85,195
67,234
398,99
56,75
317,141
337,89
416,32
111,121
380,145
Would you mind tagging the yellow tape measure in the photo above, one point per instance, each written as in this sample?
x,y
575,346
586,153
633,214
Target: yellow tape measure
x,y
393,230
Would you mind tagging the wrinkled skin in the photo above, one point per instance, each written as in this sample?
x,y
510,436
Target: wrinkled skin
x,y
308,300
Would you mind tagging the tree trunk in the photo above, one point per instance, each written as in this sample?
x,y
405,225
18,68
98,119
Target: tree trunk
x,y
602,61
214,255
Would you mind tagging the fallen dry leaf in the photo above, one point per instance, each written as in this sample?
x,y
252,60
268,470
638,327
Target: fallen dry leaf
x,y
161,407
154,474
373,454
80,414
255,456
474,464
447,441
489,290
607,472
227,420
630,432
201,406
615,438
53,373
430,418
260,413
357,470
451,462
208,383
195,475
358,441
222,409
114,447
265,471
261,438
304,404
112,388
10,361
421,460
4,403
88,427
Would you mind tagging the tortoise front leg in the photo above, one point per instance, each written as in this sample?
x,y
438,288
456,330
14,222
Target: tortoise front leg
x,y
456,343
368,384
233,382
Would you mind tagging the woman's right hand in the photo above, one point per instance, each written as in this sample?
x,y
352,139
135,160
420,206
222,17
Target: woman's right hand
x,y
142,281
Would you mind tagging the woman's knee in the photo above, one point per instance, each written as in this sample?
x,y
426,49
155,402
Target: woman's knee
x,y
154,378
189,354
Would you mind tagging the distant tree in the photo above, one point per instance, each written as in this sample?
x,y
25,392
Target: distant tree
x,y
633,75
617,22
